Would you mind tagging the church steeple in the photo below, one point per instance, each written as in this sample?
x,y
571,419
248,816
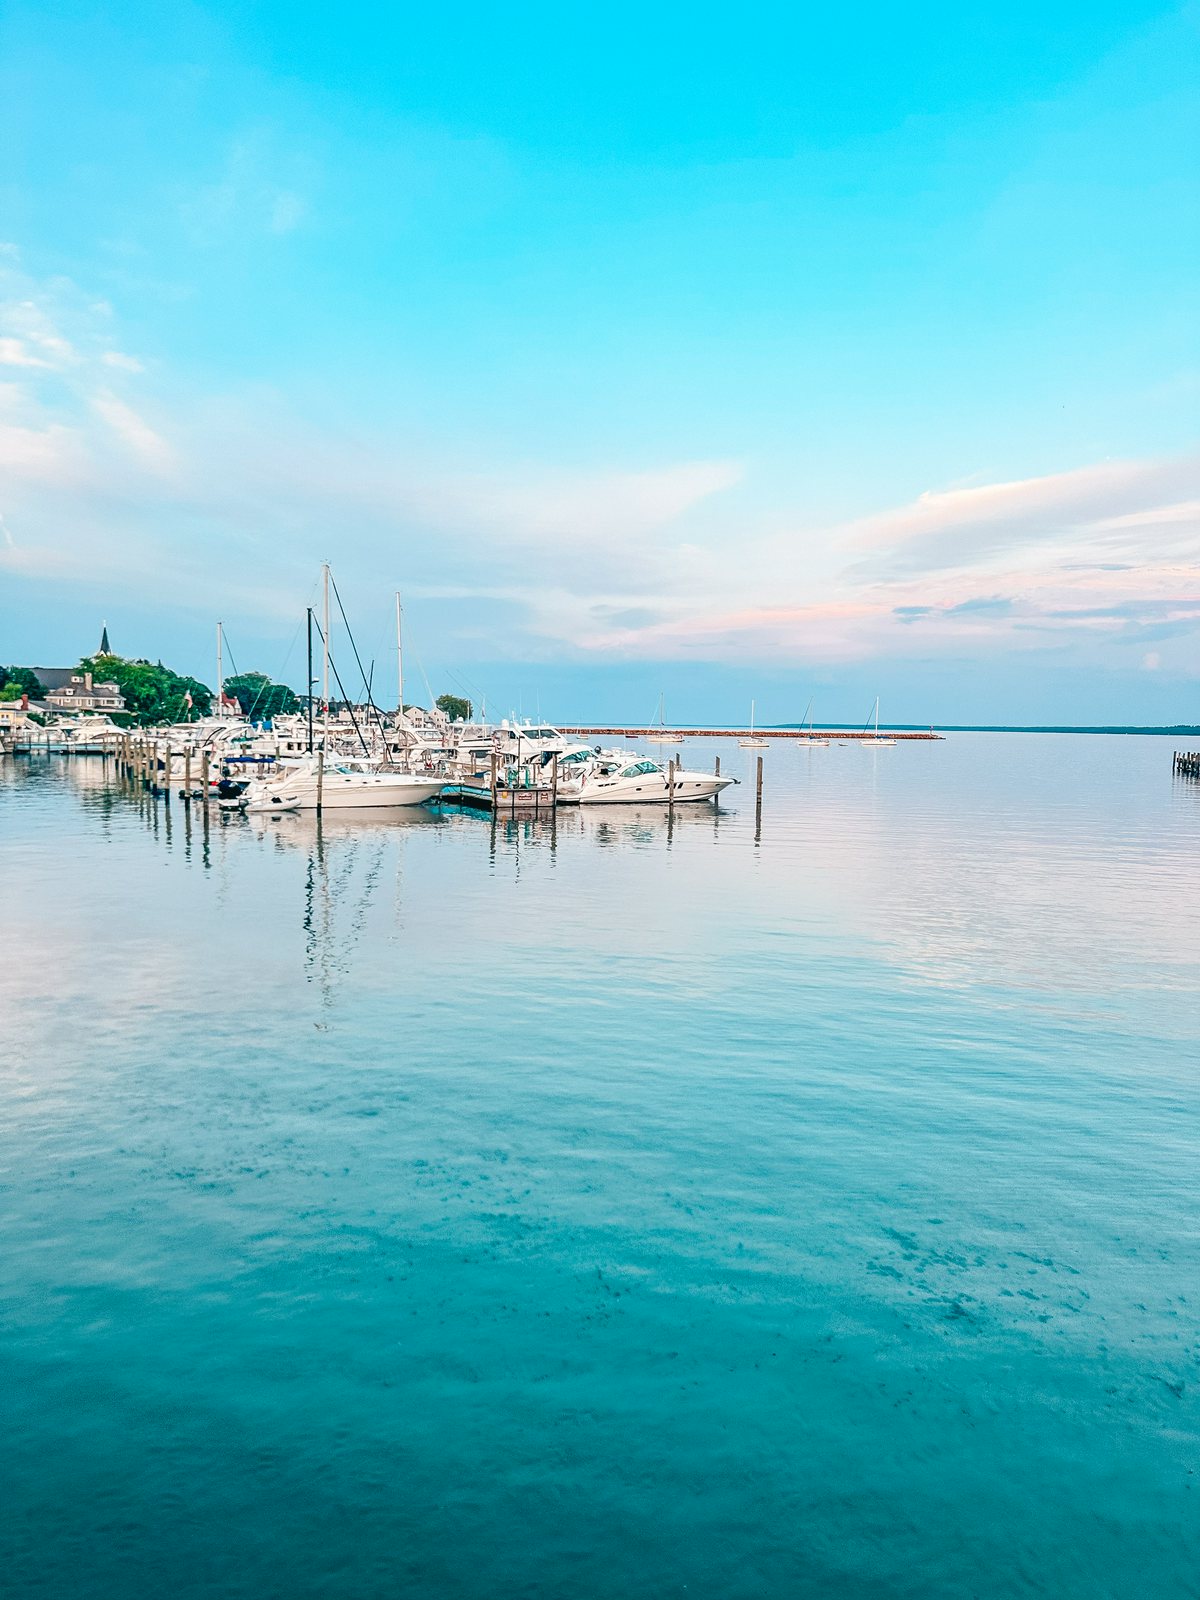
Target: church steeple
x,y
104,649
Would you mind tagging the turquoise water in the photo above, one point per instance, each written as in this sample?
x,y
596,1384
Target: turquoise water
x,y
628,1209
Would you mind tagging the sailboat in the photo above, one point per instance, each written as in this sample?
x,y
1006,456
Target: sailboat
x,y
752,743
660,733
812,739
876,735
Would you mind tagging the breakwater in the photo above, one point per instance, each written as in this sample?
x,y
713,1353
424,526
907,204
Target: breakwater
x,y
801,734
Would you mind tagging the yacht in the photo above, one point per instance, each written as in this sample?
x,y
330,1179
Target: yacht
x,y
622,777
344,784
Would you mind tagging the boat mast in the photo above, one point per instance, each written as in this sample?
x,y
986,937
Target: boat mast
x,y
220,680
308,687
399,661
325,655
752,719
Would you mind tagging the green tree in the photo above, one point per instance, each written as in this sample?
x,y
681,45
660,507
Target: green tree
x,y
16,681
153,693
455,707
259,697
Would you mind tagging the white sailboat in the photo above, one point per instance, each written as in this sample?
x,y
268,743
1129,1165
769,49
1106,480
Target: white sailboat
x,y
876,735
660,733
752,743
812,738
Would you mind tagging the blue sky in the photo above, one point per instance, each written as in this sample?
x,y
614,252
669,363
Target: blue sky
x,y
721,351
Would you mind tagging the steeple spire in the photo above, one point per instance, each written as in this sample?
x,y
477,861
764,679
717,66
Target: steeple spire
x,y
104,649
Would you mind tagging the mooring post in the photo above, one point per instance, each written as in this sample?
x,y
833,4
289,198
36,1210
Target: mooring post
x,y
671,784
493,782
717,767
320,777
204,777
187,772
554,780
758,787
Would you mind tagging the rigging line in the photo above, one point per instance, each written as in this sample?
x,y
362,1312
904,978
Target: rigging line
x,y
237,674
350,634
345,696
424,674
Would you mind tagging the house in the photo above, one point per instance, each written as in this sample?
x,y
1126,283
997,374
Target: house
x,y
68,690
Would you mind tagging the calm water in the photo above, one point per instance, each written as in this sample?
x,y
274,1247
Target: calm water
x,y
628,1210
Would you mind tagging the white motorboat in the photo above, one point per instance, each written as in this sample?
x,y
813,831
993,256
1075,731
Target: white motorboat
x,y
343,785
621,777
752,743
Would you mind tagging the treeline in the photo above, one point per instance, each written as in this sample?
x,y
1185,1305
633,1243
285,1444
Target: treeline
x,y
16,682
153,693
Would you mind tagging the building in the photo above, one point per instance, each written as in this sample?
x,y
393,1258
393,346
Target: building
x,y
69,689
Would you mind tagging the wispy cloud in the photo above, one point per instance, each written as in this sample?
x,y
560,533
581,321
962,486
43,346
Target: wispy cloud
x,y
661,559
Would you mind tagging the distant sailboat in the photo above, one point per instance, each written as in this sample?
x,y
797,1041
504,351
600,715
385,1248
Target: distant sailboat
x,y
875,738
660,733
752,743
812,739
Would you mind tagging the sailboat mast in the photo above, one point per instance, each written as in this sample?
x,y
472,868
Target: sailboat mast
x,y
308,687
752,719
399,660
220,671
325,642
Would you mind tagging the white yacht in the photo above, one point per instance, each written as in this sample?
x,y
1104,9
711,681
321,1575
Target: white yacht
x,y
622,777
344,785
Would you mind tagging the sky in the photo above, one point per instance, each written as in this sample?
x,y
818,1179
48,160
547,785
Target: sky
x,y
787,352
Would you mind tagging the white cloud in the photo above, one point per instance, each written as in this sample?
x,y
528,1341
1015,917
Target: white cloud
x,y
15,353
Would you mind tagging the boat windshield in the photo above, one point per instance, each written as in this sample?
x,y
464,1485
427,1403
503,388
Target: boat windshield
x,y
641,767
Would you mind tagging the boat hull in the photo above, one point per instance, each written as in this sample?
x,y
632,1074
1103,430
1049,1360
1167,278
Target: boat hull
x,y
690,788
384,792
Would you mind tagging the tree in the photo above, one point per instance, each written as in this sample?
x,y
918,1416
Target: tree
x,y
260,698
455,707
16,681
153,694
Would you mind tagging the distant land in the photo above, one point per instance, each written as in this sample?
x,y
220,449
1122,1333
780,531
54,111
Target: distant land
x,y
1180,730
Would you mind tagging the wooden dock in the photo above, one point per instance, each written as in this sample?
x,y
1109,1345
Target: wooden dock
x,y
801,734
1186,764
534,801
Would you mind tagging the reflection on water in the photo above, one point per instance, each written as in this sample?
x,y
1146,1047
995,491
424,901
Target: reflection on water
x,y
617,1202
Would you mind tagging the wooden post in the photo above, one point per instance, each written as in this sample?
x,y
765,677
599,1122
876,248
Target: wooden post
x,y
320,777
204,776
671,784
717,767
187,772
493,782
554,780
166,777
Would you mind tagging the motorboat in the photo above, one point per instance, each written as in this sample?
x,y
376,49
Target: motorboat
x,y
342,785
622,777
